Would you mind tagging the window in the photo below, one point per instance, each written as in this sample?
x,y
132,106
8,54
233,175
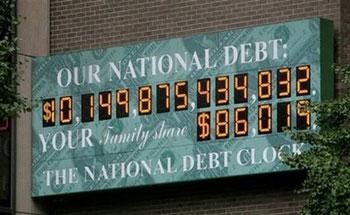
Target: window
x,y
5,165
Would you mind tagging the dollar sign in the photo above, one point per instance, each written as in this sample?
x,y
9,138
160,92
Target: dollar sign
x,y
48,113
204,125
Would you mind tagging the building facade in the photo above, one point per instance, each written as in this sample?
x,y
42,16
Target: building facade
x,y
59,26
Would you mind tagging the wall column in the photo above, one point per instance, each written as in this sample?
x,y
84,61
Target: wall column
x,y
34,36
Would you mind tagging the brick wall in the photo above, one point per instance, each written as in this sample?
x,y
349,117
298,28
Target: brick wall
x,y
344,44
345,31
261,194
86,24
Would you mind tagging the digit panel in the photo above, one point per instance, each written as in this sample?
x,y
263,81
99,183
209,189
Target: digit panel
x,y
303,74
203,126
145,100
66,109
48,112
87,107
203,93
222,124
264,119
283,116
181,95
241,121
241,88
303,114
283,82
264,85
105,105
222,90
163,98
122,103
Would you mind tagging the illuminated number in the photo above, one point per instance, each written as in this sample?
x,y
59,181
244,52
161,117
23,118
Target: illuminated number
x,y
265,119
283,116
222,93
303,114
222,125
283,82
163,98
241,121
4,125
48,106
105,105
87,107
241,88
203,93
145,100
122,107
303,80
181,98
264,83
66,110
203,126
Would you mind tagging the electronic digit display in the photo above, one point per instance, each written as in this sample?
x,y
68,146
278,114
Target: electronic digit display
x,y
163,98
241,121
222,90
303,114
284,120
181,95
222,124
66,110
122,103
105,105
241,88
303,80
145,100
48,112
265,119
264,85
87,107
203,126
199,107
203,93
283,82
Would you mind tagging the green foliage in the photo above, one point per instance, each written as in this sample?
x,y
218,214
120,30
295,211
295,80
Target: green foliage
x,y
344,71
11,102
327,162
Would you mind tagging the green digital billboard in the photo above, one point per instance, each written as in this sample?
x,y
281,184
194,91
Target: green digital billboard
x,y
198,107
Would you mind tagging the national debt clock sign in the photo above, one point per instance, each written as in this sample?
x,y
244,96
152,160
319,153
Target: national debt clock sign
x,y
199,107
